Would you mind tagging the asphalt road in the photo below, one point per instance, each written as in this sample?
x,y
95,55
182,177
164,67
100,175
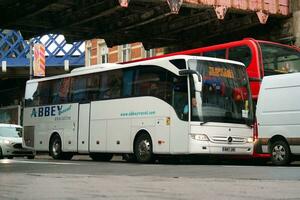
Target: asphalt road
x,y
81,178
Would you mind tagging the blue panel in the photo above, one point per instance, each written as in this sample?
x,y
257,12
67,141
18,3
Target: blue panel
x,y
15,50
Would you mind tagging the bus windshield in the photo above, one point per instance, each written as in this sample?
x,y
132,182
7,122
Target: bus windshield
x,y
279,59
225,95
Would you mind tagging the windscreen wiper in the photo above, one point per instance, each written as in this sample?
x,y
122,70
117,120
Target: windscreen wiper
x,y
202,123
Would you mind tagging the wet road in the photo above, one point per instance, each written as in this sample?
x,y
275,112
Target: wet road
x,y
81,178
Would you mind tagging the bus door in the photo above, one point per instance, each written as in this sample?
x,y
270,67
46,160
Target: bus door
x,y
83,127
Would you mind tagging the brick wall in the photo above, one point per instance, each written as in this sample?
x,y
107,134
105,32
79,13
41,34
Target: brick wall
x,y
114,53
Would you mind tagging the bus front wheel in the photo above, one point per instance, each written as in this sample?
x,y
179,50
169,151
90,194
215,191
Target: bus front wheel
x,y
143,149
280,153
55,149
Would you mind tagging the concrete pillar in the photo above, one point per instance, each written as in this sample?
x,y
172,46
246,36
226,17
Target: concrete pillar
x,y
296,21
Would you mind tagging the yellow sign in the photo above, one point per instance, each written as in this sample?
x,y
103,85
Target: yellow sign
x,y
221,72
168,121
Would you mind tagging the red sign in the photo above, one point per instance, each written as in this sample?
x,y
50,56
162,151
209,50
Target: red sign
x,y
39,62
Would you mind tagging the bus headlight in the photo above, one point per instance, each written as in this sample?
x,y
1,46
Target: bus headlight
x,y
250,140
200,137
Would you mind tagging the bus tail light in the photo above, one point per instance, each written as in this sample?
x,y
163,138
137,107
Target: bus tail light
x,y
257,152
255,131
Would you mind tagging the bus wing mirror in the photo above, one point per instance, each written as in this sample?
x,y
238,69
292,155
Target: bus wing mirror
x,y
197,82
186,72
20,131
196,77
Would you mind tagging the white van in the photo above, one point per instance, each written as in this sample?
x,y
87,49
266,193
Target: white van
x,y
278,117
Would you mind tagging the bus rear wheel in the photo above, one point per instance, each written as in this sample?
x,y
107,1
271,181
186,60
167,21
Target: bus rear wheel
x,y
143,149
129,157
280,153
101,156
55,149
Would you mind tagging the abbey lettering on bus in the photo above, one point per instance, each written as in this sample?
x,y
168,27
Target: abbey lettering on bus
x,y
46,111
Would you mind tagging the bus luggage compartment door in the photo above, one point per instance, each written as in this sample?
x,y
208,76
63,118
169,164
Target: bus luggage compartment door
x,y
83,128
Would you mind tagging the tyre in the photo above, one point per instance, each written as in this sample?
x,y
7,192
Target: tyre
x,y
1,154
31,157
55,149
143,149
10,157
280,153
101,156
67,156
129,157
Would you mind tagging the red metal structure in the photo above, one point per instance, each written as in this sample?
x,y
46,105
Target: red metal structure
x,y
155,23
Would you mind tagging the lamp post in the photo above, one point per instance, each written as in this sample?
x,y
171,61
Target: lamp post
x,y
3,65
30,59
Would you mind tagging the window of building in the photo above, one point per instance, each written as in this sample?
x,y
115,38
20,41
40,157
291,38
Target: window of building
x,y
88,56
149,53
103,53
126,52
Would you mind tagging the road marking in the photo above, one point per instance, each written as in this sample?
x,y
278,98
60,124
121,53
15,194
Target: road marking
x,y
256,166
8,161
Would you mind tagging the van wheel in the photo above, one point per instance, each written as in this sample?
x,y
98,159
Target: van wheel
x,y
143,149
280,153
101,156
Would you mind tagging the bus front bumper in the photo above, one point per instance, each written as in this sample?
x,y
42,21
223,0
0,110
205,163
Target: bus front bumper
x,y
207,147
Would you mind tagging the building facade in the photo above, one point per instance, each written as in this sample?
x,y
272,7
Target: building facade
x,y
96,52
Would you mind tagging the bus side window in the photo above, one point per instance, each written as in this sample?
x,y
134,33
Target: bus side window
x,y
115,83
78,89
150,81
128,75
59,91
42,94
179,96
92,90
241,54
216,54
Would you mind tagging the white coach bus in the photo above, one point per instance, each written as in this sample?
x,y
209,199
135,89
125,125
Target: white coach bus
x,y
176,105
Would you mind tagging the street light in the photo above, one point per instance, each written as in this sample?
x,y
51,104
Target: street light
x,y
67,65
4,66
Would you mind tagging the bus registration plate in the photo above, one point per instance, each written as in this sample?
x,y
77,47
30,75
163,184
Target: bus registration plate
x,y
228,149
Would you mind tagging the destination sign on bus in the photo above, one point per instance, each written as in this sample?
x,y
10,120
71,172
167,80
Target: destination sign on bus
x,y
218,71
